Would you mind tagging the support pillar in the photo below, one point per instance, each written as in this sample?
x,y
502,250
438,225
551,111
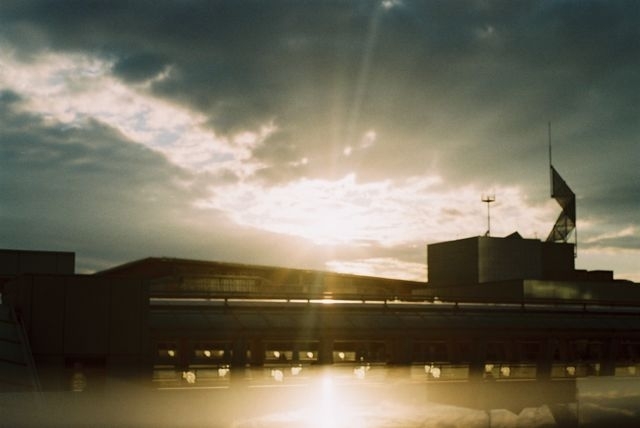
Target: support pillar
x,y
239,358
609,357
477,360
545,359
325,351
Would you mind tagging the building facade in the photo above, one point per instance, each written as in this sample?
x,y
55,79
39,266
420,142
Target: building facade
x,y
494,308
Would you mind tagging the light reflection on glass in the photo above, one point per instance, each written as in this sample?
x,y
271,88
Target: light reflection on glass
x,y
78,380
433,371
361,372
277,375
189,376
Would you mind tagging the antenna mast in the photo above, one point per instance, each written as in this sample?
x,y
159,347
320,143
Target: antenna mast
x,y
550,160
488,199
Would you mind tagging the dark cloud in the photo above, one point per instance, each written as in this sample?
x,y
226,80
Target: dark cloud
x,y
418,70
625,242
279,146
282,155
139,67
81,184
8,98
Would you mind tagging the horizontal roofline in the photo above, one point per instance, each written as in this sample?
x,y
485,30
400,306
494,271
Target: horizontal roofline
x,y
114,269
18,251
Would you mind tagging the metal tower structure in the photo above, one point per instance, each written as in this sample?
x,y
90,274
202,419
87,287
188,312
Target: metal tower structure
x,y
562,193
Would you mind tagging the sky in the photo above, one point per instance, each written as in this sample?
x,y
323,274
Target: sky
x,y
333,135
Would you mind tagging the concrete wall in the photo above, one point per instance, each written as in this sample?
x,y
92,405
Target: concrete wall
x,y
77,316
558,260
498,291
483,259
86,323
45,318
453,262
16,262
488,259
508,258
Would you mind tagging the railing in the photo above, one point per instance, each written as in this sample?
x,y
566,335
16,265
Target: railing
x,y
28,357
474,303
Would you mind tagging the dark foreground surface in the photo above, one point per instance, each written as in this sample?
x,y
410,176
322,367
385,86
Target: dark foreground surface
x,y
333,398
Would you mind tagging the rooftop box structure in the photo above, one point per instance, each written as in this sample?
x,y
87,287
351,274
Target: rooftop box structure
x,y
490,268
484,259
16,262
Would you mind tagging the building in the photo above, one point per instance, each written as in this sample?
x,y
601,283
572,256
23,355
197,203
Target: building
x,y
160,317
160,312
512,268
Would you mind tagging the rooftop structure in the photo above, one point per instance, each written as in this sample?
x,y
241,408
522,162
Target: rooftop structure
x,y
17,262
512,268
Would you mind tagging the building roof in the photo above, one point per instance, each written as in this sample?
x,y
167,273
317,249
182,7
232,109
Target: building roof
x,y
154,267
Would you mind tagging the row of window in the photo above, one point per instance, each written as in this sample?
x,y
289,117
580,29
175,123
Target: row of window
x,y
421,352
306,283
170,377
211,285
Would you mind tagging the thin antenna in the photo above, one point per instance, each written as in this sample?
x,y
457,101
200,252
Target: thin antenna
x,y
550,161
488,199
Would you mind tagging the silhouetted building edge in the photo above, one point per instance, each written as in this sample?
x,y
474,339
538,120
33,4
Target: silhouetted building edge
x,y
512,267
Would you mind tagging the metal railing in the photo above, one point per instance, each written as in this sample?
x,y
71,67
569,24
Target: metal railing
x,y
472,303
28,357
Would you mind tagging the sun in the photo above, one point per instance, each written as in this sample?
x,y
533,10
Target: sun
x,y
324,212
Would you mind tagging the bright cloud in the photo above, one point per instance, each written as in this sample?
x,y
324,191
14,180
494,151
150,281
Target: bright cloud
x,y
71,88
368,139
385,267
382,213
